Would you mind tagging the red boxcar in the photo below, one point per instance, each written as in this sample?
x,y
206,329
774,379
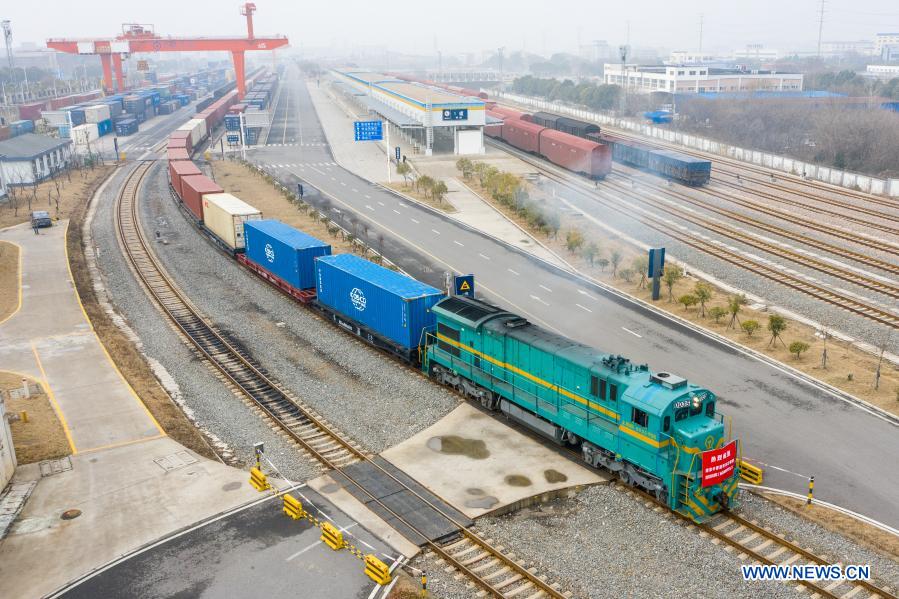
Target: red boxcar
x,y
193,188
522,135
576,154
495,131
177,154
179,169
506,113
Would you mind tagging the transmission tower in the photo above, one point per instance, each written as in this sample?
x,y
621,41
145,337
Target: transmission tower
x,y
820,26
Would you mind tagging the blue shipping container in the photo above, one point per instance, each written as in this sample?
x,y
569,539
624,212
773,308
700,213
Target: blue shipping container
x,y
77,116
232,122
125,128
283,251
104,127
393,305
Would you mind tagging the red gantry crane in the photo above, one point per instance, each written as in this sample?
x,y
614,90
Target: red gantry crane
x,y
137,38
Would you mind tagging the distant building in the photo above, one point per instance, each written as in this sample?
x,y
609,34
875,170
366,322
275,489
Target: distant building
x,y
699,79
883,40
31,158
596,51
882,71
756,53
863,47
686,57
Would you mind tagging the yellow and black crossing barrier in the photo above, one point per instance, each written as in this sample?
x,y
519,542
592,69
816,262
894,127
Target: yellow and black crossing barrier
x,y
751,474
293,507
377,570
332,536
811,490
259,480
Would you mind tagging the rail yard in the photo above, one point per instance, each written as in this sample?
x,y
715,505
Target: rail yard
x,y
323,322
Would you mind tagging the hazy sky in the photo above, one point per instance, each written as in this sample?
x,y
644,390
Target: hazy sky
x,y
472,25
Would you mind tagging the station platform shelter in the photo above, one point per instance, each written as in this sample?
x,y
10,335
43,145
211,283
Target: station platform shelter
x,y
430,119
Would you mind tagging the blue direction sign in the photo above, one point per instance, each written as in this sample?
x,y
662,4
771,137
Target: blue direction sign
x,y
397,153
455,114
656,261
233,139
464,285
368,131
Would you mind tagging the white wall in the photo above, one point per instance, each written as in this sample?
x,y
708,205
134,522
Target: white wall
x,y
7,452
469,141
21,172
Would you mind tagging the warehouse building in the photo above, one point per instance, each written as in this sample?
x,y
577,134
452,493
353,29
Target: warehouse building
x,y
31,158
696,78
428,118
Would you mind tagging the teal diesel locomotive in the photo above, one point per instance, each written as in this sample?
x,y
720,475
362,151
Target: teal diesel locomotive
x,y
652,429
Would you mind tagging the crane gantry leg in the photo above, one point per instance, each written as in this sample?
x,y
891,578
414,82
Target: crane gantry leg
x,y
106,61
117,67
239,72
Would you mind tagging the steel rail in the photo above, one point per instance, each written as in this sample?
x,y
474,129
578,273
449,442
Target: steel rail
x,y
195,328
774,274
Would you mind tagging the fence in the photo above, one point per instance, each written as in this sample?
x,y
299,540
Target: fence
x,y
825,174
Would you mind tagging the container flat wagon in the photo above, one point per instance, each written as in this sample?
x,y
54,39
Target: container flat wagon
x,y
686,169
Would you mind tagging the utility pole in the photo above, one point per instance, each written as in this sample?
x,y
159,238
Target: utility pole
x,y
7,38
820,27
701,17
499,53
622,52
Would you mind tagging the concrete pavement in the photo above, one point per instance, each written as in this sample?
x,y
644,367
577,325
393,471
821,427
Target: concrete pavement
x,y
782,419
131,483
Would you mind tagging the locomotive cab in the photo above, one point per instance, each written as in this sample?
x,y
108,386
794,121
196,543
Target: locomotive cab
x,y
704,472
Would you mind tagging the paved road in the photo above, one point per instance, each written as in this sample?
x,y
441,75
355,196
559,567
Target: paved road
x,y
781,419
255,552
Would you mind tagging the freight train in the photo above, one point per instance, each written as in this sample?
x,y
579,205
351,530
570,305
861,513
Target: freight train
x,y
576,154
668,163
655,430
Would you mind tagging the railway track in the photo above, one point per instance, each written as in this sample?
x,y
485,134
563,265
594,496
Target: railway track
x,y
495,572
873,284
770,272
756,543
840,233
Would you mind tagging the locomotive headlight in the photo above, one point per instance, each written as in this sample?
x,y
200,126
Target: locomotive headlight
x,y
697,402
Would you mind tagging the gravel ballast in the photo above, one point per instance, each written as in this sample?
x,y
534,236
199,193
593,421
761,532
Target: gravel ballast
x,y
373,399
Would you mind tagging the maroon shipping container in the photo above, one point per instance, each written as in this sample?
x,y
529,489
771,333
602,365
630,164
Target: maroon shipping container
x,y
576,154
522,135
177,154
175,142
185,135
179,169
4,133
31,112
193,188
237,108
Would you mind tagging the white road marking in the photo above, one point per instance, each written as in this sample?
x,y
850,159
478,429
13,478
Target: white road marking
x,y
545,288
343,183
435,231
633,333
403,205
333,179
379,202
459,243
584,308
483,256
397,211
355,190
369,207
415,221
367,197
316,170
513,272
537,299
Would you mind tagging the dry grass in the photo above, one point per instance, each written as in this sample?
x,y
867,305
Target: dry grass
x,y
9,279
406,588
410,191
42,437
74,188
863,534
849,368
246,183
129,360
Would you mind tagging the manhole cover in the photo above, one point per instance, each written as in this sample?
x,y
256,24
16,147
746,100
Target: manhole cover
x,y
70,514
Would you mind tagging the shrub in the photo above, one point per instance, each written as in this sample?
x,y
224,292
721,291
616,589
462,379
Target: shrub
x,y
750,327
687,300
717,312
797,347
574,240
